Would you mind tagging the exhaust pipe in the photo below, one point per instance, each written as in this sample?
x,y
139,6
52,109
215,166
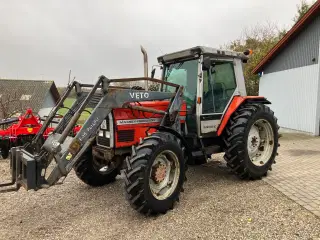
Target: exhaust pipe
x,y
145,64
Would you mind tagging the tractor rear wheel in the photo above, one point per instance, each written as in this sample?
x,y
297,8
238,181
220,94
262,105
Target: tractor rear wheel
x,y
90,171
155,173
251,139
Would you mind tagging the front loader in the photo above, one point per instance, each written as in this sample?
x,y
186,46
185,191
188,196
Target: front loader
x,y
201,108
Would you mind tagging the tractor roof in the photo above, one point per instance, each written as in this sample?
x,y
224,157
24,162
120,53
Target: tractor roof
x,y
187,53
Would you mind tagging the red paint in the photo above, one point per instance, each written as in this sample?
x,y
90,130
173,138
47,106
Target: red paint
x,y
236,102
140,129
28,124
76,129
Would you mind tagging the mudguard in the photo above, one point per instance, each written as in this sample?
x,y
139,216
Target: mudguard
x,y
236,102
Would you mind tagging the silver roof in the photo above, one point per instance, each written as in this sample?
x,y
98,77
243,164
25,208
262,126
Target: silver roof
x,y
200,50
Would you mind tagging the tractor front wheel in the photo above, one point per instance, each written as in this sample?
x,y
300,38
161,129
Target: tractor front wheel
x,y
155,173
251,139
92,172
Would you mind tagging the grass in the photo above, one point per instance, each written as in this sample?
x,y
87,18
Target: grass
x,y
68,103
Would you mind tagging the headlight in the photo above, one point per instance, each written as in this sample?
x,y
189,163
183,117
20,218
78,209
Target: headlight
x,y
104,134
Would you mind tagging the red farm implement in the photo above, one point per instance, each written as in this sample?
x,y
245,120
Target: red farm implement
x,y
17,131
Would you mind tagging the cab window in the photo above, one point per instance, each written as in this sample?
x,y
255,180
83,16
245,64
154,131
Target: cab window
x,y
185,74
219,84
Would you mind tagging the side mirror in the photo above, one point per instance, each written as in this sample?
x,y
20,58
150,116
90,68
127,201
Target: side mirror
x,y
153,72
247,52
206,63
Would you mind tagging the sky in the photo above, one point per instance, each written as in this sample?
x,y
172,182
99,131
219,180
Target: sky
x,y
43,40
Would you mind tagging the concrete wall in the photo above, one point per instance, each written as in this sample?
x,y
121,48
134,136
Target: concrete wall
x,y
294,97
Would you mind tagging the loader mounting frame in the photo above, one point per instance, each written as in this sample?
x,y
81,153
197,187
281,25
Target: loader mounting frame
x,y
28,170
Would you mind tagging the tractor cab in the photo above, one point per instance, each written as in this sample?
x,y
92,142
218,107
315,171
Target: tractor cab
x,y
211,78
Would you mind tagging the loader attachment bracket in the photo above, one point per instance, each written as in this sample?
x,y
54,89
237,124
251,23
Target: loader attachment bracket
x,y
25,171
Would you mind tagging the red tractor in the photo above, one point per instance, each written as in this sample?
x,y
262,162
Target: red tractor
x,y
22,130
199,108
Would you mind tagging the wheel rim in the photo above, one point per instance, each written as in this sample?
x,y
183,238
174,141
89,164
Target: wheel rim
x,y
260,142
164,175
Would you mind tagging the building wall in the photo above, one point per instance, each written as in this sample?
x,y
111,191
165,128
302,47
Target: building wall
x,y
300,51
294,97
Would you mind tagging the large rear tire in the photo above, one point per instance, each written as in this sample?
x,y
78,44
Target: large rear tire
x,y
155,173
93,174
251,139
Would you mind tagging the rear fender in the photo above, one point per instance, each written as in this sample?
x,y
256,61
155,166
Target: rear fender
x,y
235,104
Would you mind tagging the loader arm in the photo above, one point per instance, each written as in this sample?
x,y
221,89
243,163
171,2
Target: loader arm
x,y
29,170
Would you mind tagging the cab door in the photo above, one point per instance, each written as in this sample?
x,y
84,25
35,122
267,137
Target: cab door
x,y
216,90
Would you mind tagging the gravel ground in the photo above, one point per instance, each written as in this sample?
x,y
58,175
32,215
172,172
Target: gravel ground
x,y
215,205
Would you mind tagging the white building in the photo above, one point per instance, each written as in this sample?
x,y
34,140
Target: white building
x,y
290,75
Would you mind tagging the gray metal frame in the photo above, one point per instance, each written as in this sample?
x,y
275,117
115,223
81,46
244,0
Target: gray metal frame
x,y
66,150
200,50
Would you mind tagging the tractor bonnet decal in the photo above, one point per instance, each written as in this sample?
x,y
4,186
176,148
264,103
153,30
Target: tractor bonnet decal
x,y
138,121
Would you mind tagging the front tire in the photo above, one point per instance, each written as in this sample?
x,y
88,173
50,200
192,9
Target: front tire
x,y
90,172
251,139
155,174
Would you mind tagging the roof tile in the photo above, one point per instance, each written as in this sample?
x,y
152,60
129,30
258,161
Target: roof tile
x,y
20,89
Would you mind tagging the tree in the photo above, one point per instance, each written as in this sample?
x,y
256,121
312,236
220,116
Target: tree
x,y
302,8
260,39
10,104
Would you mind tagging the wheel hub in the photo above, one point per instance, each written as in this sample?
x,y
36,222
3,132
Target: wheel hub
x,y
159,172
253,140
164,175
260,142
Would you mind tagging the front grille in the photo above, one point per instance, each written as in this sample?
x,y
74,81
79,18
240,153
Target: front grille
x,y
102,141
125,135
